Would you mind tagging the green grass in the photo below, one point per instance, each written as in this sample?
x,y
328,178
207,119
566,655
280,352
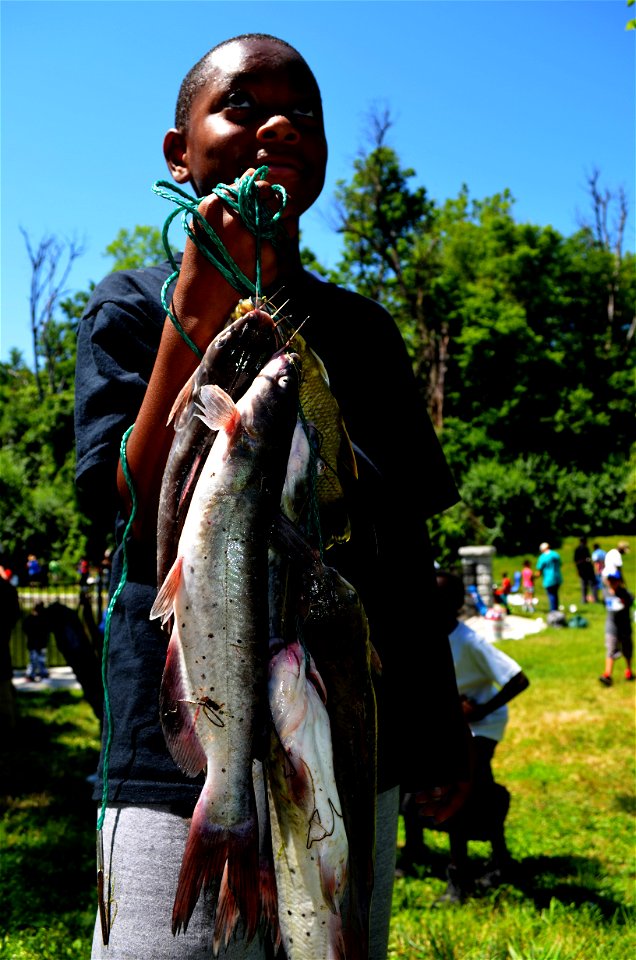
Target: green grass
x,y
47,829
567,759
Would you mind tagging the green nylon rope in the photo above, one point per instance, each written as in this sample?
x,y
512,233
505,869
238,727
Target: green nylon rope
x,y
243,197
113,600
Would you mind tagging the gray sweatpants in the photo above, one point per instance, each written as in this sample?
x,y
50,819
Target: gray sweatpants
x,y
143,847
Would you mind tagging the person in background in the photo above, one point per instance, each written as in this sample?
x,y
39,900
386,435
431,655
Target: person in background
x,y
9,616
549,568
83,569
598,560
33,569
503,590
487,679
585,570
37,633
252,101
613,565
618,628
527,585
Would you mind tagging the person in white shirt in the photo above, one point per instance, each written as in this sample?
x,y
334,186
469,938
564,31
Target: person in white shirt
x,y
614,560
487,679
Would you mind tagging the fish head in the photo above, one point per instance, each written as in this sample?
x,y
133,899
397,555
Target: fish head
x,y
239,351
273,399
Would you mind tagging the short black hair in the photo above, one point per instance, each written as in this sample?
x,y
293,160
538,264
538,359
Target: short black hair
x,y
198,74
451,591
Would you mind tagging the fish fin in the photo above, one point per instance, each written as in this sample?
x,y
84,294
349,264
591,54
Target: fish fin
x,y
331,885
177,715
181,403
190,481
375,662
203,862
314,677
239,895
269,901
218,410
164,601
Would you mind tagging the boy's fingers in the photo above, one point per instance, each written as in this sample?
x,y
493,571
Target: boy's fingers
x,y
440,803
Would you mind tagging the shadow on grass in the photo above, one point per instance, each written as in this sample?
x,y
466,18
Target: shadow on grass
x,y
572,880
47,816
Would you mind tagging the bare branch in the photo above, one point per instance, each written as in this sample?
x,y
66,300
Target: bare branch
x,y
49,275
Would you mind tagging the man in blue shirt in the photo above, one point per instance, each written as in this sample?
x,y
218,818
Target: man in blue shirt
x,y
549,566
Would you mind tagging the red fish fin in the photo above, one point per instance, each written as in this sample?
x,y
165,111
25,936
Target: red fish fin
x,y
332,879
164,602
183,399
239,894
176,713
269,901
203,863
328,885
190,481
375,662
314,677
218,410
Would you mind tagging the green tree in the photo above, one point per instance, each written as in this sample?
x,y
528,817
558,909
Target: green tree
x,y
390,253
141,247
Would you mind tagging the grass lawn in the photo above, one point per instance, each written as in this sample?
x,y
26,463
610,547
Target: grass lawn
x,y
567,759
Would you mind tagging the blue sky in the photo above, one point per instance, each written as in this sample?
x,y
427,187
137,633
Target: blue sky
x,y
531,95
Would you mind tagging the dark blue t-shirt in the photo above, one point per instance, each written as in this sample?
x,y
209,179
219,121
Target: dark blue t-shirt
x,y
388,558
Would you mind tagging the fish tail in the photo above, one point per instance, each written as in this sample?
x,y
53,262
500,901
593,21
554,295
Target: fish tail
x,y
203,862
239,894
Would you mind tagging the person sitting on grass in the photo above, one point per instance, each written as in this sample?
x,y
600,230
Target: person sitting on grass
x,y
501,592
487,679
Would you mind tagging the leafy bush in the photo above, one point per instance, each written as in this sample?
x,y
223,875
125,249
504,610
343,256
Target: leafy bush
x,y
514,506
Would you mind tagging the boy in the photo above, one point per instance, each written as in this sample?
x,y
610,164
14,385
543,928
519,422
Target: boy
x,y
250,101
37,632
487,680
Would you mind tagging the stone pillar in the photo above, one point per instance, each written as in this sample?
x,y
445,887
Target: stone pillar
x,y
477,570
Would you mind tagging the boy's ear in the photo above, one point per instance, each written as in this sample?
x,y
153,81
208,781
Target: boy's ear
x,y
175,152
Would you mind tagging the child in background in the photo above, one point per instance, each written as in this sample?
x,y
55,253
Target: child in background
x,y
527,583
37,633
618,628
502,591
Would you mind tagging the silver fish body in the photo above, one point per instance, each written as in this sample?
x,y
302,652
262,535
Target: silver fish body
x,y
214,685
309,841
231,361
335,630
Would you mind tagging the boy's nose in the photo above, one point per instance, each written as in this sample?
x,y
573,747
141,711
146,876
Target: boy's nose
x,y
278,128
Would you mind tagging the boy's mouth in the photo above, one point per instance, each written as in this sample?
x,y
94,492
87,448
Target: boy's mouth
x,y
281,167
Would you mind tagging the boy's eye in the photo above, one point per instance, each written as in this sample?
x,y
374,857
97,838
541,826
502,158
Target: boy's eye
x,y
305,110
238,99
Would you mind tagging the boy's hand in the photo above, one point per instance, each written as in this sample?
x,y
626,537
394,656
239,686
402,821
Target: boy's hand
x,y
202,297
470,709
442,802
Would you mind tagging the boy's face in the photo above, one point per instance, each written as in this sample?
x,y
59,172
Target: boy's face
x,y
260,105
